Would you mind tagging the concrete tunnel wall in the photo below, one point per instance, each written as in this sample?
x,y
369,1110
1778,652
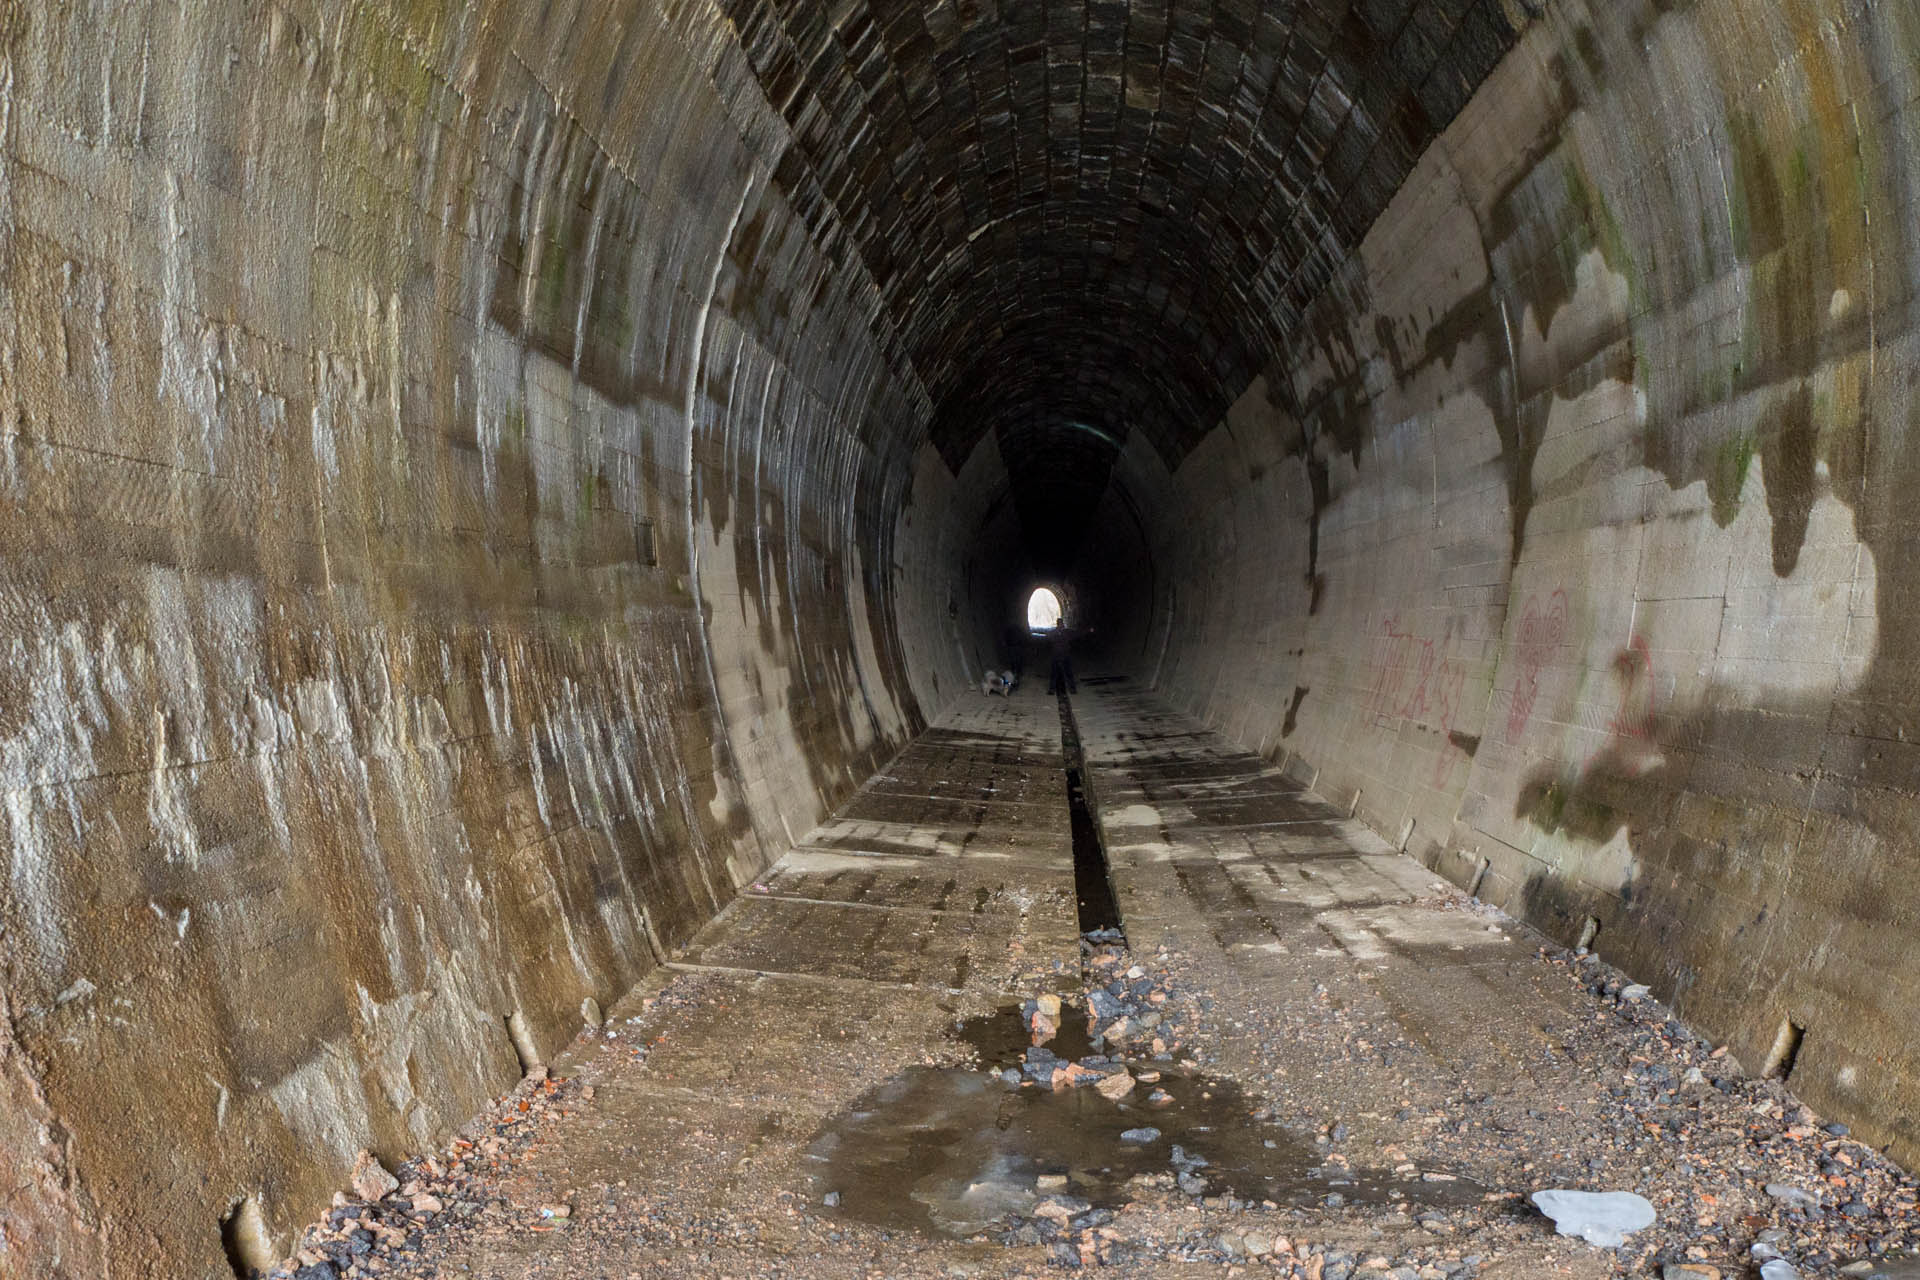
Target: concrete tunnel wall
x,y
469,501
447,518
1573,536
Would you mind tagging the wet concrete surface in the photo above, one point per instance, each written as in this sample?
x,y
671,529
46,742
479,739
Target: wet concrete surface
x,y
835,1031
953,1150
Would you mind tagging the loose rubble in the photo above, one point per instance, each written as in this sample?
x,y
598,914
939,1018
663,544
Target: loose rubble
x,y
1423,1133
1745,1181
379,1227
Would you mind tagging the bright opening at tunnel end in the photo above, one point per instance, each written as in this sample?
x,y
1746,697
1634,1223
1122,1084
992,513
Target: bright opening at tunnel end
x,y
1043,610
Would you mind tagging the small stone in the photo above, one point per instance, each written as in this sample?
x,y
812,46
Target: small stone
x,y
1071,1076
371,1181
590,1013
1060,1208
1779,1269
556,1211
1792,1197
1159,1098
1258,1246
1051,1182
1115,1087
831,1200
1142,1135
1689,1271
317,1271
427,1205
1638,991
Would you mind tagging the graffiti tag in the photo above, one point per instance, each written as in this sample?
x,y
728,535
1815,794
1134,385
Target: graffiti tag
x,y
1543,629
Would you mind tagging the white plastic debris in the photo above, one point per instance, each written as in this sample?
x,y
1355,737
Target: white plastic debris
x,y
1604,1218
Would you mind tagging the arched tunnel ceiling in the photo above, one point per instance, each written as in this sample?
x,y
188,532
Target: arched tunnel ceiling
x,y
1104,214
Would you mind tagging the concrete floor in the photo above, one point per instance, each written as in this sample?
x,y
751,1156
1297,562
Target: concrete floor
x,y
1327,974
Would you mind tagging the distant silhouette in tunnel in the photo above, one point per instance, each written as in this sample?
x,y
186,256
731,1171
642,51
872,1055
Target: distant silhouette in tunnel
x,y
1060,670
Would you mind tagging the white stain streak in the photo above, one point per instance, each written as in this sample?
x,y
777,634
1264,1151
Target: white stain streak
x,y
220,1106
686,473
190,367
323,1102
58,714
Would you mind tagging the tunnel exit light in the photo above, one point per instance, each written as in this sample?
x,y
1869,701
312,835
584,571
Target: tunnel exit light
x,y
1043,610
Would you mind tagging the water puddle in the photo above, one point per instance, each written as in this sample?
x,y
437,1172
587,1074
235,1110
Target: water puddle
x,y
954,1151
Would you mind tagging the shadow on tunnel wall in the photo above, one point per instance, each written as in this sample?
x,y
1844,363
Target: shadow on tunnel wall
x,y
1639,374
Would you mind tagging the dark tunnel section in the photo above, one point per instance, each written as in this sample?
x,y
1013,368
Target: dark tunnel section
x,y
1112,596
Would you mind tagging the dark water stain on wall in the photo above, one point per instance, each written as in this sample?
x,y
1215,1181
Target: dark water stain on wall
x,y
1788,442
1292,722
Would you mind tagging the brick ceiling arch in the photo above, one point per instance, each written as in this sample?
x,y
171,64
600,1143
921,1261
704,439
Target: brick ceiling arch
x,y
1052,194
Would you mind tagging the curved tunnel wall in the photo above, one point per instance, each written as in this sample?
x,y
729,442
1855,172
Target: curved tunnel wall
x,y
447,509
470,496
1573,532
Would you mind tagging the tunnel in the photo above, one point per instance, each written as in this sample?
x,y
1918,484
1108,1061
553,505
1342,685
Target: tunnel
x,y
484,481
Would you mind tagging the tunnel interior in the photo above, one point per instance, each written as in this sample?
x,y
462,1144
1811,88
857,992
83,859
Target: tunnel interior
x,y
482,481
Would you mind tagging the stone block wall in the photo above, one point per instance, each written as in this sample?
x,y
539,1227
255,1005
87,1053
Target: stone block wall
x,y
446,507
1570,541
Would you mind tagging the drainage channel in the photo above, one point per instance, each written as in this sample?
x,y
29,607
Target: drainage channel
x,y
1092,885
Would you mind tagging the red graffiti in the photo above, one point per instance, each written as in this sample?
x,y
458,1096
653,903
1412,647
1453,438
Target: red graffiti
x,y
1451,683
1542,631
1402,655
1413,680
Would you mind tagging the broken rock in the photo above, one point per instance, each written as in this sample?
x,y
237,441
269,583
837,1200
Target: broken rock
x,y
371,1181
